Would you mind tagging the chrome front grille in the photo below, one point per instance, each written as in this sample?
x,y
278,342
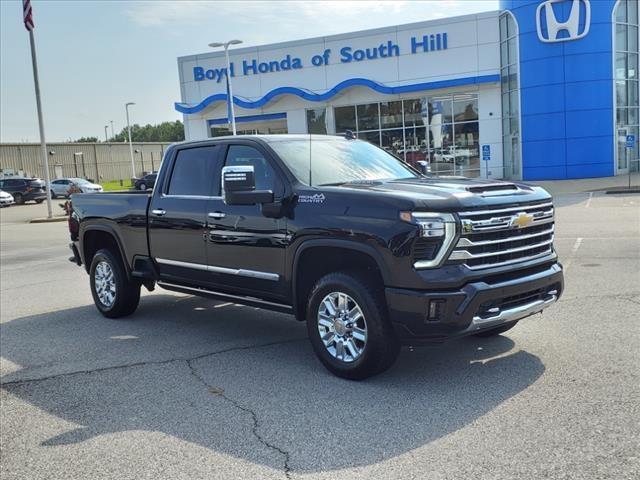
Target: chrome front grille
x,y
503,236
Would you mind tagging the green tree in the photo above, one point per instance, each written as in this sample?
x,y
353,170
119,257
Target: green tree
x,y
86,140
163,132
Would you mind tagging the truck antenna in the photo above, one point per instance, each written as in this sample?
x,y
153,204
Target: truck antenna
x,y
310,184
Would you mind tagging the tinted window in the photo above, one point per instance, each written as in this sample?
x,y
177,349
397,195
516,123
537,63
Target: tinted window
x,y
243,155
339,161
193,171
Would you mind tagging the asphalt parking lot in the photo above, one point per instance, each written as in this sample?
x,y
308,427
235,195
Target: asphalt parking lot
x,y
190,389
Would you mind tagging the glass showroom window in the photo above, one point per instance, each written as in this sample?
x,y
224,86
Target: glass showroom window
x,y
626,75
441,130
317,121
510,97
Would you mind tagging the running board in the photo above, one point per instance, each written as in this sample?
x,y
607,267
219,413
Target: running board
x,y
251,301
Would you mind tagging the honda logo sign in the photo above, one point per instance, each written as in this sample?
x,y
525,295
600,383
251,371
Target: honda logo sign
x,y
576,26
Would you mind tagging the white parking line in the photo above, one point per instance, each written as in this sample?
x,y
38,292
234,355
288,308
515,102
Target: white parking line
x,y
574,249
588,204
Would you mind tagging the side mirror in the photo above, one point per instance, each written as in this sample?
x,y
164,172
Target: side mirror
x,y
239,187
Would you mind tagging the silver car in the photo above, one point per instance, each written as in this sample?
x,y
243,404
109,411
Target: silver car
x,y
60,187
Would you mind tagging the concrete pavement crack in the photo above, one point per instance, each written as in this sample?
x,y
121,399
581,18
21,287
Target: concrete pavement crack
x,y
141,364
256,422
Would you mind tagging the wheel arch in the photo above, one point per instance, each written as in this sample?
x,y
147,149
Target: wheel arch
x,y
334,255
95,237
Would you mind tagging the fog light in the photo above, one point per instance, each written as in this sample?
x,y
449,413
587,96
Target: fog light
x,y
435,310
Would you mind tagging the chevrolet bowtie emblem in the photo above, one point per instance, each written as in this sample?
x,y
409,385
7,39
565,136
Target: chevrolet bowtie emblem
x,y
521,220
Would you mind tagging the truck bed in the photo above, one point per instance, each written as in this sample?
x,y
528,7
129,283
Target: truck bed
x,y
124,212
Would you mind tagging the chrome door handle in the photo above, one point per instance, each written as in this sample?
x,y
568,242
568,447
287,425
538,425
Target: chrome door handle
x,y
158,211
217,215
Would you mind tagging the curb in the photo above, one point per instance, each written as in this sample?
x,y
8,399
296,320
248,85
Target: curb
x,y
623,191
57,218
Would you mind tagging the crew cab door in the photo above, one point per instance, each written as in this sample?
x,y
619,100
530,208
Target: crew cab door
x,y
178,214
245,248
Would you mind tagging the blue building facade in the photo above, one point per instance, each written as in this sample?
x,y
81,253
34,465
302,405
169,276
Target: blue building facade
x,y
577,80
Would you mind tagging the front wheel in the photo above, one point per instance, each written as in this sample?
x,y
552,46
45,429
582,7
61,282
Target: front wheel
x,y
348,326
18,198
114,294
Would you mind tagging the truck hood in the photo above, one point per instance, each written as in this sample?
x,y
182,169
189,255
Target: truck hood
x,y
449,193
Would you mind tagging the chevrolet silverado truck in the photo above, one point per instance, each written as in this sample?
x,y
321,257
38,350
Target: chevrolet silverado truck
x,y
369,252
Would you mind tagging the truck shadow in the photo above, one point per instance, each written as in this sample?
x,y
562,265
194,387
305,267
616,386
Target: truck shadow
x,y
276,388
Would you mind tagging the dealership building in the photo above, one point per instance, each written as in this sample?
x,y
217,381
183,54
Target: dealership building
x,y
538,90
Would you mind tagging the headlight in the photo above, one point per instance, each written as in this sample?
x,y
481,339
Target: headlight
x,y
434,227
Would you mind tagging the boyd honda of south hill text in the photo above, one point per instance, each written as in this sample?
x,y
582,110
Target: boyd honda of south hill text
x,y
371,253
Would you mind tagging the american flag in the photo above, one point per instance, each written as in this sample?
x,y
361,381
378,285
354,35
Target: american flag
x,y
27,14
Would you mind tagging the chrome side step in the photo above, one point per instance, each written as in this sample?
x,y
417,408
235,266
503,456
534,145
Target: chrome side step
x,y
244,300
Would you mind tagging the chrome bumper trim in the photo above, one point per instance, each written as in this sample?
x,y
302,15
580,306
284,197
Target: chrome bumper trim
x,y
512,314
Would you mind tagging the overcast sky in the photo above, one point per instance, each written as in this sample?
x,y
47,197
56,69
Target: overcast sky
x,y
94,56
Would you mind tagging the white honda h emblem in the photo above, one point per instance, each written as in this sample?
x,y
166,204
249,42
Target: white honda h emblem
x,y
572,25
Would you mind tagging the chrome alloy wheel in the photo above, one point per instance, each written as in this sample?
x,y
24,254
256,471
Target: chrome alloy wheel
x,y
105,284
342,327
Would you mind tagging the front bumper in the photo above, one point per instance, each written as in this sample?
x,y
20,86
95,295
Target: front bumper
x,y
476,306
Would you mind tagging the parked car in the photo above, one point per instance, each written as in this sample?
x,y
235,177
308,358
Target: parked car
x,y
60,187
337,232
63,187
24,189
6,199
146,182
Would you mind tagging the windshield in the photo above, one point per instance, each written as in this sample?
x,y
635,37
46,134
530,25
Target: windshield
x,y
79,181
339,161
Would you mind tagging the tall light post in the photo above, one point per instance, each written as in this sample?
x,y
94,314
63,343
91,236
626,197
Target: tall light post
x,y
106,138
133,165
230,111
112,134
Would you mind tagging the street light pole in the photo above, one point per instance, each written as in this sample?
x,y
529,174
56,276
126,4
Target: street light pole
x,y
106,139
230,109
112,134
133,165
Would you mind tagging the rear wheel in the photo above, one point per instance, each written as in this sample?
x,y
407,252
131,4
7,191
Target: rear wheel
x,y
492,332
348,326
143,186
114,294
19,199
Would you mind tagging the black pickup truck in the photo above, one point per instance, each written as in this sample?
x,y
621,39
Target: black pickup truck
x,y
371,253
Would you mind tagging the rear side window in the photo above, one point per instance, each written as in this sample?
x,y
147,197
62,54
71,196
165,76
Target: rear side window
x,y
193,171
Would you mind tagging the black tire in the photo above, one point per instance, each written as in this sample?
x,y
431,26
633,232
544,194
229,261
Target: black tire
x,y
381,347
127,292
40,200
18,198
492,332
53,195
143,186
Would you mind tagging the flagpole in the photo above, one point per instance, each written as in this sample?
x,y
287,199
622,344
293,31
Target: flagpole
x,y
43,144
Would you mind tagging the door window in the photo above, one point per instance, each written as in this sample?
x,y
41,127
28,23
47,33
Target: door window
x,y
244,155
194,172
